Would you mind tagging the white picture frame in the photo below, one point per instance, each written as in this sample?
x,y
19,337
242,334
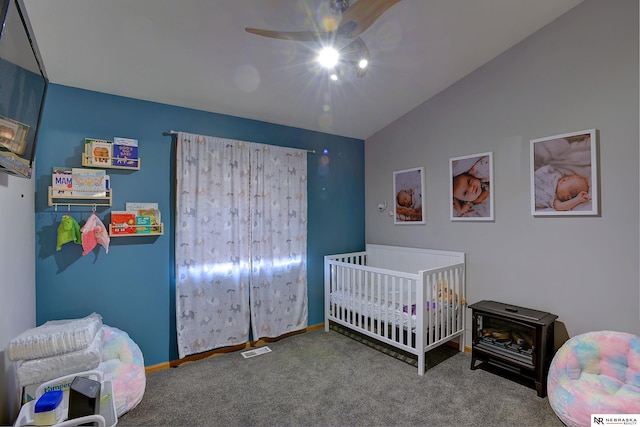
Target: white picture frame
x,y
564,174
471,187
408,196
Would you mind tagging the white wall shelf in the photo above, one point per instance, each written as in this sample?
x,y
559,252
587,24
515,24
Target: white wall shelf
x,y
56,198
156,230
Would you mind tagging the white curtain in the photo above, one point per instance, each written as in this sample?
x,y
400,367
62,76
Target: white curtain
x,y
278,240
241,211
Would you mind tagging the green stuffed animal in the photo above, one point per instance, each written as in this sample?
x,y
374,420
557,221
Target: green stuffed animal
x,y
68,231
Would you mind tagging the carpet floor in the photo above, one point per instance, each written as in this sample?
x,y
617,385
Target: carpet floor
x,y
336,378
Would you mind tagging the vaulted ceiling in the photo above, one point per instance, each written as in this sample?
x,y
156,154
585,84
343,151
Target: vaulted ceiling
x,y
197,54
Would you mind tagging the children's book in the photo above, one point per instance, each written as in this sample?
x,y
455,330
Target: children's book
x,y
89,182
143,224
149,210
98,151
125,152
61,179
123,222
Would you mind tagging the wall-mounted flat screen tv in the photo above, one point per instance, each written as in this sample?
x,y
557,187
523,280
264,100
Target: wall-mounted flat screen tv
x,y
23,85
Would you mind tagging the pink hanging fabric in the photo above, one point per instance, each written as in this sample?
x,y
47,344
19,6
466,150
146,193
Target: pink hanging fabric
x,y
93,233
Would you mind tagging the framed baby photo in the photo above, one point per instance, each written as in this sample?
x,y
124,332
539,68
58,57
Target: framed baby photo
x,y
408,192
564,174
470,192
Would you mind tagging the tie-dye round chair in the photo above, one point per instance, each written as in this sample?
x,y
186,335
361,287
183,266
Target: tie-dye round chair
x,y
595,373
122,364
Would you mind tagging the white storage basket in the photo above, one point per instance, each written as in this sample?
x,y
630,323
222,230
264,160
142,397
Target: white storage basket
x,y
106,418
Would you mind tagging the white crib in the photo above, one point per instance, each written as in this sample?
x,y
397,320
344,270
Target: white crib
x,y
410,298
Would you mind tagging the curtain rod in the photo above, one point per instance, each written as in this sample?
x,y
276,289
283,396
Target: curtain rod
x,y
173,132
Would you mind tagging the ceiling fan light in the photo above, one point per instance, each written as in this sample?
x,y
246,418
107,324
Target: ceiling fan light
x,y
328,57
338,7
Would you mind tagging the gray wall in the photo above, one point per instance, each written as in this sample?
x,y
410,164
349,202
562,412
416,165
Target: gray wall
x,y
579,72
17,280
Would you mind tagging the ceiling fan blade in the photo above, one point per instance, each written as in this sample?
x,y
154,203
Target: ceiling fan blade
x,y
361,15
302,36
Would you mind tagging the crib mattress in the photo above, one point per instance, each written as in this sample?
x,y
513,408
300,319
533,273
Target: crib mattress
x,y
401,315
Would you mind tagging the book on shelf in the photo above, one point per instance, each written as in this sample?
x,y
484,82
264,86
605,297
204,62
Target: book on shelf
x,y
61,179
147,210
89,182
143,224
136,206
123,222
62,183
98,151
125,152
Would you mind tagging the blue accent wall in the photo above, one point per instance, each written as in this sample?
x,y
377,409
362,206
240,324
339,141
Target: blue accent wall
x,y
132,286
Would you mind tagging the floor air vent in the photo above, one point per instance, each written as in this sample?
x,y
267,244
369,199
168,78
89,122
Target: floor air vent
x,y
255,352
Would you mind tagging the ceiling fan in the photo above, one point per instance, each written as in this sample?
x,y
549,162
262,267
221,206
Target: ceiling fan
x,y
353,20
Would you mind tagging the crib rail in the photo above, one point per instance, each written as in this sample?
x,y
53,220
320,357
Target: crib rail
x,y
447,292
412,312
358,258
